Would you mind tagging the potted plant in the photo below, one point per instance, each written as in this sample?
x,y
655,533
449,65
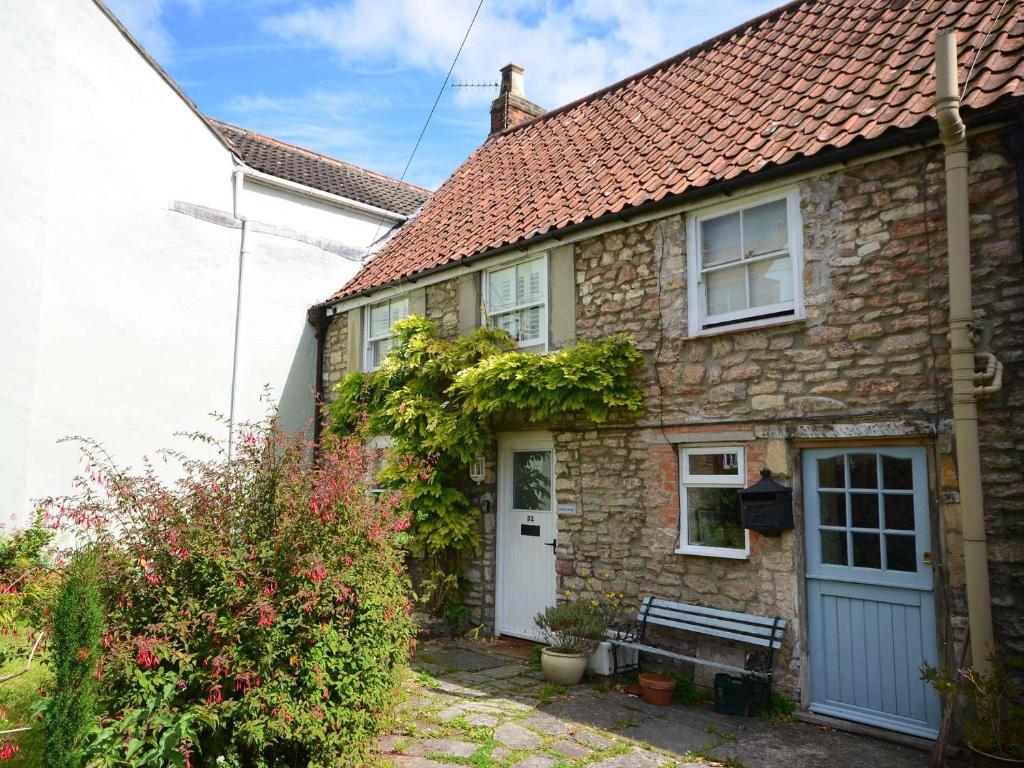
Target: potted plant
x,y
994,723
572,630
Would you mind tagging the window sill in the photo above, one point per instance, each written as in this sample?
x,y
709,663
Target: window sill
x,y
728,554
748,325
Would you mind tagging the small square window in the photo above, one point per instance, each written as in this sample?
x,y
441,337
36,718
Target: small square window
x,y
710,520
745,265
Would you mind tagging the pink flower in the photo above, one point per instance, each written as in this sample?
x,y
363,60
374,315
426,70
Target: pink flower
x,y
147,659
267,616
8,749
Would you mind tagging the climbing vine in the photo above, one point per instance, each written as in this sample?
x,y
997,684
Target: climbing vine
x,y
439,400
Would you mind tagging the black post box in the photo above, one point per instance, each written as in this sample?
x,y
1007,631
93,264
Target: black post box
x,y
767,506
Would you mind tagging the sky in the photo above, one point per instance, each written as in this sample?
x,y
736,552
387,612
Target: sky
x,y
355,79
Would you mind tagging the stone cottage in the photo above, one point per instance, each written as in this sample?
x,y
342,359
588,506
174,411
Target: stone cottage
x,y
766,214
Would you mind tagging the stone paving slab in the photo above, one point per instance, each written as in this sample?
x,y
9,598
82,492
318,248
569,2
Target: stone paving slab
x,y
468,706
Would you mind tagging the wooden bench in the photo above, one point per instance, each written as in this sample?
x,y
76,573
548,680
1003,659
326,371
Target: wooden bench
x,y
760,631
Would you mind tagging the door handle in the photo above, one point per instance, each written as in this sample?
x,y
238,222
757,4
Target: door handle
x,y
553,544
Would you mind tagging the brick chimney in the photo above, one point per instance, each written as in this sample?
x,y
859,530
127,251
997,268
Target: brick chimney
x,y
511,106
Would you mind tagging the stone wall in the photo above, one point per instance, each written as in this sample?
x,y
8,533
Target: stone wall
x,y
872,351
442,306
335,352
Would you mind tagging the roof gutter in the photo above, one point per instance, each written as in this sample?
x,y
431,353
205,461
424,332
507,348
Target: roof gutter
x,y
962,336
921,135
269,180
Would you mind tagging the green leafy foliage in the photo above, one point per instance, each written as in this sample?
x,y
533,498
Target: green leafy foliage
x,y
439,400
575,626
76,629
27,586
257,609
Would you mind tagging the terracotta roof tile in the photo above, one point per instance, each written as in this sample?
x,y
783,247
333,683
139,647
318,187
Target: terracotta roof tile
x,y
303,166
810,76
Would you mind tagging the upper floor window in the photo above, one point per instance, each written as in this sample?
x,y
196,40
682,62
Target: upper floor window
x,y
516,300
745,264
710,480
378,319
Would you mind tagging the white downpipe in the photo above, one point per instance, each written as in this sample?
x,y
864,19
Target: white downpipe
x,y
238,179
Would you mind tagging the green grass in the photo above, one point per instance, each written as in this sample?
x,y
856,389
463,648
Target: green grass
x,y
18,697
549,692
780,710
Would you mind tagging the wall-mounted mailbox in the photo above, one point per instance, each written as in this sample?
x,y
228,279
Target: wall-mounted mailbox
x,y
767,506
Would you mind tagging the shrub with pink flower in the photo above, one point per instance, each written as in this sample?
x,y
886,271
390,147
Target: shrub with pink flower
x,y
257,609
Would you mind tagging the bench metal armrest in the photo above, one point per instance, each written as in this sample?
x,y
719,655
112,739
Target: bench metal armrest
x,y
627,631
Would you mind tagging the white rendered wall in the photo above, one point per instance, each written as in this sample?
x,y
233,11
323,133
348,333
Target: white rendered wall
x,y
117,313
270,204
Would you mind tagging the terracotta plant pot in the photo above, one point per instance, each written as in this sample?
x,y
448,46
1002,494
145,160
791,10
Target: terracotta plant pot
x,y
657,689
563,668
981,759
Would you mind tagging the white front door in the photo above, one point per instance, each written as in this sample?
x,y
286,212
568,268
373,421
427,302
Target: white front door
x,y
526,532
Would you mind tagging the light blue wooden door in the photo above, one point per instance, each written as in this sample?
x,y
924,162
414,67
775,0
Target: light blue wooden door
x,y
870,588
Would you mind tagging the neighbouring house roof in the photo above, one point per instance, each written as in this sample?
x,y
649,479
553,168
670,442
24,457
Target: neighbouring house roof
x,y
303,166
289,162
811,76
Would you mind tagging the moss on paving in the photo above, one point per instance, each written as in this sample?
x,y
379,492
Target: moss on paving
x,y
507,704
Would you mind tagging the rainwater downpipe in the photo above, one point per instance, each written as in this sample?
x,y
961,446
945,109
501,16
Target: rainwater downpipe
x,y
962,353
238,178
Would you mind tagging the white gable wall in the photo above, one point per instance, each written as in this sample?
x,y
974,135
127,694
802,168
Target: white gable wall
x,y
117,313
357,228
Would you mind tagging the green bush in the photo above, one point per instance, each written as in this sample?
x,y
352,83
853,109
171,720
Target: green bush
x,y
257,609
27,587
76,628
575,626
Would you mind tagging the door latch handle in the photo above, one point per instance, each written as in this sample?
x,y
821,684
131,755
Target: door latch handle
x,y
553,544
926,558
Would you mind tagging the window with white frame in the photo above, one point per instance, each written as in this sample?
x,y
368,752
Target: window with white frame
x,y
710,480
378,319
516,300
746,263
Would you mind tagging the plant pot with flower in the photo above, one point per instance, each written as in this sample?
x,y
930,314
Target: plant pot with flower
x,y
572,630
994,718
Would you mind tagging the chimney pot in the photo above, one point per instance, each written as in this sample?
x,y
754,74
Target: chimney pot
x,y
511,107
512,80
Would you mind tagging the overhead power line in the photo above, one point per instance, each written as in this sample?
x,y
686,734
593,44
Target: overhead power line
x,y
433,108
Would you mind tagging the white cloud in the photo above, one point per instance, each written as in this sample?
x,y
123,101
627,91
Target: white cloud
x,y
144,19
569,48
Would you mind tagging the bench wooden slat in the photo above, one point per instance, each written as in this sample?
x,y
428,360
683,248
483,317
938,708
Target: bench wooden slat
x,y
755,630
714,612
761,641
683,657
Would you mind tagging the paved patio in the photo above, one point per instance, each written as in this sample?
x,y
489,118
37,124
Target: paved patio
x,y
472,704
